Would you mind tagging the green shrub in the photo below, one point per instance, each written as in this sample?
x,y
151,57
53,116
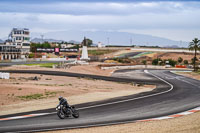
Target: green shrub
x,y
144,62
185,62
172,62
194,60
180,60
31,55
157,61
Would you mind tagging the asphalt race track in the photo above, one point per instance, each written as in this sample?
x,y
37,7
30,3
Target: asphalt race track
x,y
127,55
174,94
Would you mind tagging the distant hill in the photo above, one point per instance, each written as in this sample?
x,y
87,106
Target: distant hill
x,y
172,46
39,40
116,38
74,42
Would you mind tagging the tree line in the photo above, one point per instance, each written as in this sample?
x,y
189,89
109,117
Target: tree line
x,y
195,46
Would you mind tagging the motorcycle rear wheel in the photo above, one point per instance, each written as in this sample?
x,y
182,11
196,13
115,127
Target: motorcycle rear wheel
x,y
75,113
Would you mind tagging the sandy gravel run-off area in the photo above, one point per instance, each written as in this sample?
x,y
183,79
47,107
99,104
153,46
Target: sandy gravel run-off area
x,y
190,74
185,124
76,90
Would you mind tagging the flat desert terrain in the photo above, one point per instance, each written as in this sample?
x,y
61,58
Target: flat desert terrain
x,y
22,90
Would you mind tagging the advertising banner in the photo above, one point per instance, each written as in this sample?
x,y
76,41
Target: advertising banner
x,y
56,50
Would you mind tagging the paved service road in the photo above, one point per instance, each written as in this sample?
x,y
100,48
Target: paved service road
x,y
173,94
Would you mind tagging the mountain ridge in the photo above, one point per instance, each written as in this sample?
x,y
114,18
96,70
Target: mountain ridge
x,y
115,38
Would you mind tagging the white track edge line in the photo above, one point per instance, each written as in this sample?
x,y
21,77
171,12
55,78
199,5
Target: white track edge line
x,y
131,99
115,123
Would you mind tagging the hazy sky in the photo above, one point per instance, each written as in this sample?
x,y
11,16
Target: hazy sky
x,y
177,20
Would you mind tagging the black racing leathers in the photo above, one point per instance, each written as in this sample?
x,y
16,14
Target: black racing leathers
x,y
64,103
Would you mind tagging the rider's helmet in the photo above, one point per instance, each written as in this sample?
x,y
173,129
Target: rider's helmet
x,y
60,98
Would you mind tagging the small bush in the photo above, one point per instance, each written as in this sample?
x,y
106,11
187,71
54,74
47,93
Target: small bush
x,y
156,61
194,60
185,62
144,62
31,55
172,62
180,60
161,62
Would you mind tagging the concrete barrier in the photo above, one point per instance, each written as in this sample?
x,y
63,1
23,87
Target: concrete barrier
x,y
163,50
134,67
56,59
4,75
180,66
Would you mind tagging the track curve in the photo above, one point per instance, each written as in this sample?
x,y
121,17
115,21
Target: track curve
x,y
173,94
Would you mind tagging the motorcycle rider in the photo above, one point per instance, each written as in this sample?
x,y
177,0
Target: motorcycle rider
x,y
65,110
63,102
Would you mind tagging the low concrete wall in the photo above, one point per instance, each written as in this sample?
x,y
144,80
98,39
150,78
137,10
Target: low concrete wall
x,y
56,59
163,50
4,75
133,67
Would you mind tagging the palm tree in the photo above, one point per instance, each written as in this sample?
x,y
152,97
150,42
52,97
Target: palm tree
x,y
195,45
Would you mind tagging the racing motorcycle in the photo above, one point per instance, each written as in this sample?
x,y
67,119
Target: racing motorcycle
x,y
63,112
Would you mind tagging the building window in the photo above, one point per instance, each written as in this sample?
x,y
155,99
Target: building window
x,y
26,44
26,32
26,38
18,38
18,32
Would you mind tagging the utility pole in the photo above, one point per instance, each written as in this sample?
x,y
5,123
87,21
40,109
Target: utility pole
x,y
131,41
108,40
42,36
180,42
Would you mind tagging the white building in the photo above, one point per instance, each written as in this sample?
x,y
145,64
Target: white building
x,y
100,45
63,45
21,39
67,45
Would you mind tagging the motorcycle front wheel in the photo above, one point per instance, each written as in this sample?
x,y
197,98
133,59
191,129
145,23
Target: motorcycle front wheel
x,y
60,114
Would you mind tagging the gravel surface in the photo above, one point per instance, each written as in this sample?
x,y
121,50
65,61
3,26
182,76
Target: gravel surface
x,y
76,90
185,124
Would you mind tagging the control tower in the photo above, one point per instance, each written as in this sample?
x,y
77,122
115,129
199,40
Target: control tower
x,y
84,55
